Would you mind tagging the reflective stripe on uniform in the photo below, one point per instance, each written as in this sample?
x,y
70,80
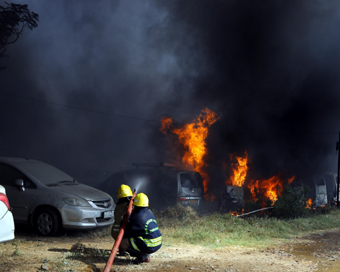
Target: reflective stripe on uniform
x,y
152,242
132,241
147,224
115,227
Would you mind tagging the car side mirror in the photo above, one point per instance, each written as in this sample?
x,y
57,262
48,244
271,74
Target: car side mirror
x,y
20,183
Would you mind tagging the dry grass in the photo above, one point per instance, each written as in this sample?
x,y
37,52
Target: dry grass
x,y
183,225
177,212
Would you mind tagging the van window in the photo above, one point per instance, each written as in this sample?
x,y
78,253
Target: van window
x,y
191,180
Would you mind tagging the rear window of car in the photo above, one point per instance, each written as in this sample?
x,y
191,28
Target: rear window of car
x,y
191,180
45,173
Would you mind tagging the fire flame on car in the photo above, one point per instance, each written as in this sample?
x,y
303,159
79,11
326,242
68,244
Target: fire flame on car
x,y
271,188
240,168
192,136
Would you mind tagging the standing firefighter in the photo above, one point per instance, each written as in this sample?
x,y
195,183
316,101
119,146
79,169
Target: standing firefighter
x,y
142,236
124,195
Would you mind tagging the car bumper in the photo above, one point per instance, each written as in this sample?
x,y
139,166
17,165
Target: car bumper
x,y
77,217
189,201
7,227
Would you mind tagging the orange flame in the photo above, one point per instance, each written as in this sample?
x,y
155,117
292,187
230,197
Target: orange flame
x,y
235,213
291,179
166,123
254,189
271,188
240,170
309,203
192,136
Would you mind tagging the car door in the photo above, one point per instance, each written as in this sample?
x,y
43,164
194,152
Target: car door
x,y
18,198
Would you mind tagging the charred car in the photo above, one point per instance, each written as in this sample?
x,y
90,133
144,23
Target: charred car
x,y
232,198
164,184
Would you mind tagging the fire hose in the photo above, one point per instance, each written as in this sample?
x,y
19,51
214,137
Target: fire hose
x,y
120,235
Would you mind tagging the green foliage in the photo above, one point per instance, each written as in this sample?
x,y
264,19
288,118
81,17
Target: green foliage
x,y
13,19
291,204
16,252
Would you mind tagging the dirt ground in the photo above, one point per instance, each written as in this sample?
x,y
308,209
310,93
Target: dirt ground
x,y
88,251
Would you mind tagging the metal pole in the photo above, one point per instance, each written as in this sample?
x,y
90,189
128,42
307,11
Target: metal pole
x,y
337,189
254,211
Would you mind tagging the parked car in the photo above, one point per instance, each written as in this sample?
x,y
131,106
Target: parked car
x,y
6,218
51,200
164,184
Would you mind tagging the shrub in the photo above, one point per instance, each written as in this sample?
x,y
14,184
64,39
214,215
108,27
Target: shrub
x,y
178,212
291,204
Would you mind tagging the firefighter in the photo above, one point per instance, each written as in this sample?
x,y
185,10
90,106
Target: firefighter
x,y
142,236
124,195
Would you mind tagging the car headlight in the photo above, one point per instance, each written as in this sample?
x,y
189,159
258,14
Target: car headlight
x,y
76,202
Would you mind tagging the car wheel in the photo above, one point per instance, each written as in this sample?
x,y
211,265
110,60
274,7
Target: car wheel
x,y
47,222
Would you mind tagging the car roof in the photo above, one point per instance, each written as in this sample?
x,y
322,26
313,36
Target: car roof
x,y
155,169
16,160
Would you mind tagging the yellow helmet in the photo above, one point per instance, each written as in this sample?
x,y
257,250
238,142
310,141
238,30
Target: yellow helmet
x,y
124,191
141,200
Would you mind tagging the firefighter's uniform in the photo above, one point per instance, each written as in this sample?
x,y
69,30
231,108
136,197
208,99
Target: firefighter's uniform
x,y
142,230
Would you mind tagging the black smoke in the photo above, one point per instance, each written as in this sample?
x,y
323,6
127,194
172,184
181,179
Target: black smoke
x,y
79,90
112,69
272,69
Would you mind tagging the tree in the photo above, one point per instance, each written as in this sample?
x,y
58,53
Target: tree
x,y
13,19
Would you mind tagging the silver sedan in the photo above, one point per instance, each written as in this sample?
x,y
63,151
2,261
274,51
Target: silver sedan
x,y
51,200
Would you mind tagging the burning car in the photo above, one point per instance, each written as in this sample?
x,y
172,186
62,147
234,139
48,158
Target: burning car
x,y
50,200
164,184
232,198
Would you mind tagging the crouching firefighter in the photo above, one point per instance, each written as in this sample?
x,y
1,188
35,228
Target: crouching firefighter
x,y
124,195
142,236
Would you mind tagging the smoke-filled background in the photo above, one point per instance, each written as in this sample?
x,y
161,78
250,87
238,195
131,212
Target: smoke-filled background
x,y
85,91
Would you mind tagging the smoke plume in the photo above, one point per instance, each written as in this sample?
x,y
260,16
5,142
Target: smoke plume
x,y
87,88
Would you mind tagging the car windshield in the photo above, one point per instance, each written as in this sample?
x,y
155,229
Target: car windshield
x,y
46,174
191,180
